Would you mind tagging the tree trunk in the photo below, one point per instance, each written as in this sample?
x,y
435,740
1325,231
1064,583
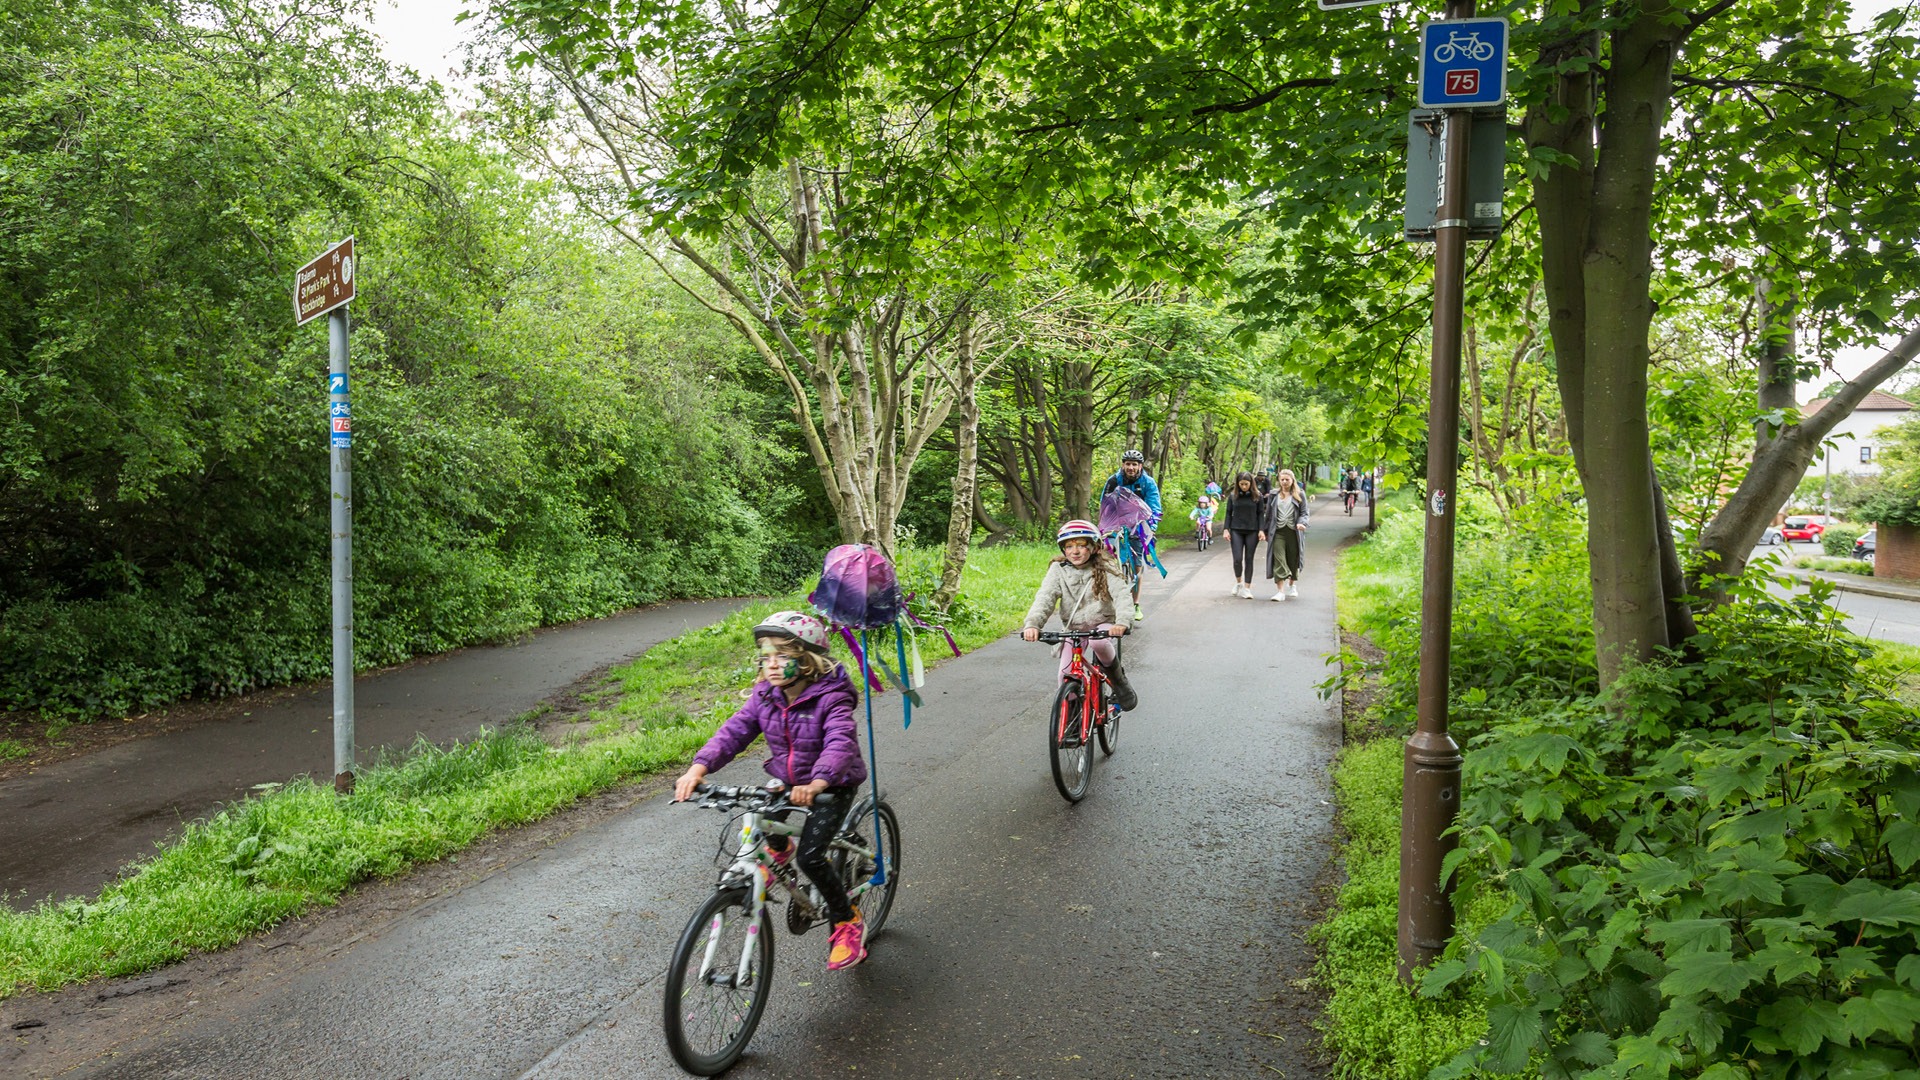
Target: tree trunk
x,y
1779,461
1073,437
960,521
1623,550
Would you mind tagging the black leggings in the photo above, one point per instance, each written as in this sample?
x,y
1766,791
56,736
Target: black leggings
x,y
812,859
1245,541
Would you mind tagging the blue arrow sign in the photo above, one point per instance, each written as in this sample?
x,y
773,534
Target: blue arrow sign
x,y
337,383
1463,63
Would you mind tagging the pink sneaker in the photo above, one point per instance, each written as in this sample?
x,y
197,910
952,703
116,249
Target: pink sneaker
x,y
849,942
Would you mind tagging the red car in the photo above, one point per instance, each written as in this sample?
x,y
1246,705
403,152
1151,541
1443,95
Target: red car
x,y
1801,528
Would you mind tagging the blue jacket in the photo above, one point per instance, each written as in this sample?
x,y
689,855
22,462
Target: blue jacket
x,y
1143,486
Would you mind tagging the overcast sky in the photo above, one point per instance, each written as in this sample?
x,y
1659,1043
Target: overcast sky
x,y
421,34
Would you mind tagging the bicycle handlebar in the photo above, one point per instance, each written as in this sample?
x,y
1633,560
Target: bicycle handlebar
x,y
1055,637
723,797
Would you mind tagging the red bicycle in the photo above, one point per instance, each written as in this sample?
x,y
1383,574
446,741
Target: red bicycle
x,y
1082,712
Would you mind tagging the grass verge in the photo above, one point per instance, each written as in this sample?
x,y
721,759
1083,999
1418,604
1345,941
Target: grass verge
x,y
1377,1027
297,846
1832,565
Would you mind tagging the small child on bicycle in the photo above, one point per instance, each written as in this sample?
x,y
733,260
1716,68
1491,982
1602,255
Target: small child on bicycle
x,y
1082,583
1202,516
803,704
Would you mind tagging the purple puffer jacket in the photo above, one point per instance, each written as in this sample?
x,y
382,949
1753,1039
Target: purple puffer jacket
x,y
812,739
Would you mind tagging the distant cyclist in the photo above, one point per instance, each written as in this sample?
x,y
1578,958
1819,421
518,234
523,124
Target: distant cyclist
x,y
1133,476
1350,488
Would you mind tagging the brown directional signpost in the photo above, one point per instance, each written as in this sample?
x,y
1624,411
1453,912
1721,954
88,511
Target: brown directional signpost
x,y
325,287
1462,68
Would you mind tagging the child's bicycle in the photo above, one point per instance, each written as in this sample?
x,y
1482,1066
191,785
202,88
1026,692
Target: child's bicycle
x,y
1203,535
722,970
1082,711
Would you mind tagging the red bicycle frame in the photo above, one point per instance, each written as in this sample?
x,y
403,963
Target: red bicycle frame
x,y
1093,683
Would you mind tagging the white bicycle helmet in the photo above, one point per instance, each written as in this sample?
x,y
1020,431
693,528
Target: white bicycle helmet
x,y
798,626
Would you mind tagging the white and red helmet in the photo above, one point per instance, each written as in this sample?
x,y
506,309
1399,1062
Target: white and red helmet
x,y
798,626
1076,530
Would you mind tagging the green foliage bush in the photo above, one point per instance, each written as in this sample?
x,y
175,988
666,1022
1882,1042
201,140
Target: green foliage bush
x,y
1837,540
545,430
1711,872
1521,628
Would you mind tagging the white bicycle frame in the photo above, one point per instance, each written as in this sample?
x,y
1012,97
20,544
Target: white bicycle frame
x,y
753,861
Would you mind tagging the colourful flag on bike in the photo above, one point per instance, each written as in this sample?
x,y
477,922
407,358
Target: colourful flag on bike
x,y
1121,509
858,588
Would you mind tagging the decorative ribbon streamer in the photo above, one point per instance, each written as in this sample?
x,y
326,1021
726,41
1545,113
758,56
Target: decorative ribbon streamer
x,y
922,624
873,769
860,655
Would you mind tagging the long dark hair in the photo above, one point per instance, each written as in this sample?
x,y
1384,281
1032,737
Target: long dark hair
x,y
1252,492
1101,564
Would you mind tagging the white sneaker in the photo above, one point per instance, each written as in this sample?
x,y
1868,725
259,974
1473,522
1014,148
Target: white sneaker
x,y
1293,589
1246,593
1279,595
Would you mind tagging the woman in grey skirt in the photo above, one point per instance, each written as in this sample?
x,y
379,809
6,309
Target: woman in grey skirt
x,y
1287,520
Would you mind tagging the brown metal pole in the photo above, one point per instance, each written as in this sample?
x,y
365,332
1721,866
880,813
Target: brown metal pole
x,y
1431,795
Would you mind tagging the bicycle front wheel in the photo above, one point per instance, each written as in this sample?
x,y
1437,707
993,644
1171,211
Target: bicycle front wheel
x,y
717,986
1072,755
857,863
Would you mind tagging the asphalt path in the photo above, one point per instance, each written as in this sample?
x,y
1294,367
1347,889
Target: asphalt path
x,y
67,829
1156,929
1881,618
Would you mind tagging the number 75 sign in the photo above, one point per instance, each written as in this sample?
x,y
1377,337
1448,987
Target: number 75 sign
x,y
1463,63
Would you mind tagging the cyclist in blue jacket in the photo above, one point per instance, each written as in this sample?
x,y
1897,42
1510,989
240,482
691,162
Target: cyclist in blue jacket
x,y
1133,476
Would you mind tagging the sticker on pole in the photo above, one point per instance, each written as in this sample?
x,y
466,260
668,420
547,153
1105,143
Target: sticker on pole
x,y
337,382
1463,63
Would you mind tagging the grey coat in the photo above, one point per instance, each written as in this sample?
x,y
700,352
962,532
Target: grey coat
x,y
1283,539
1070,588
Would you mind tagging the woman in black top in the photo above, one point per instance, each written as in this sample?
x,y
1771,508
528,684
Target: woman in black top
x,y
1244,515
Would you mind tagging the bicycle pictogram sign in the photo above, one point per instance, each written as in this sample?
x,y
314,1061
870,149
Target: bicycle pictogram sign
x,y
1463,63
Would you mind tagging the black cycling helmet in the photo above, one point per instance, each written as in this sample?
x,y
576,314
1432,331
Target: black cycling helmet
x,y
1134,455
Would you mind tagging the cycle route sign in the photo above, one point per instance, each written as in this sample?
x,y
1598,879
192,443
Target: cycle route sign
x,y
1463,63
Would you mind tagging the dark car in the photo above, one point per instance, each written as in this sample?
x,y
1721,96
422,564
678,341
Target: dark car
x,y
1863,547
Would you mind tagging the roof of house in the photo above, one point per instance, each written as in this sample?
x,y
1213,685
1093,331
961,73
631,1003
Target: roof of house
x,y
1875,401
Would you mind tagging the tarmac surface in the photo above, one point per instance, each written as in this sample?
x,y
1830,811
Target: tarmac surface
x,y
1155,929
68,828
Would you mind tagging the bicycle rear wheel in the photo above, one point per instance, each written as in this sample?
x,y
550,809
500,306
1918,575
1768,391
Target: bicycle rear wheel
x,y
708,1017
856,869
1072,756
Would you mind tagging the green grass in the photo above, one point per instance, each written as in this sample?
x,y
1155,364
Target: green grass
x,y
1900,663
1377,1027
13,748
298,846
1375,574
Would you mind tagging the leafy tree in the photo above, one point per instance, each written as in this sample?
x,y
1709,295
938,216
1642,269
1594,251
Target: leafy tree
x,y
1128,117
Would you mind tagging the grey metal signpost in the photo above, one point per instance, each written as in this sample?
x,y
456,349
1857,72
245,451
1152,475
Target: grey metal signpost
x,y
324,287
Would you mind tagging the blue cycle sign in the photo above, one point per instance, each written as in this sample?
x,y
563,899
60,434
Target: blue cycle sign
x,y
1463,63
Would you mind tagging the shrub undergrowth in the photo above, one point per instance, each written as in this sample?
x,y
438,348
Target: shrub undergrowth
x,y
1706,872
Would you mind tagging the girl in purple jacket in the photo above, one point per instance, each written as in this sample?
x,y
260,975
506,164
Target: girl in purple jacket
x,y
803,704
